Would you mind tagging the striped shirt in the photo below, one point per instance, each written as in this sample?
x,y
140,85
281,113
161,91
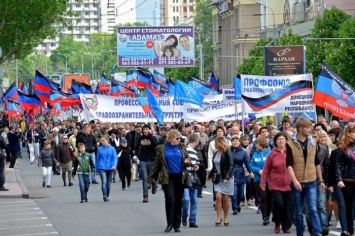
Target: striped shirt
x,y
193,156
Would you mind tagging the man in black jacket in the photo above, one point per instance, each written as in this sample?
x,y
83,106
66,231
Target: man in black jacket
x,y
145,152
90,146
13,138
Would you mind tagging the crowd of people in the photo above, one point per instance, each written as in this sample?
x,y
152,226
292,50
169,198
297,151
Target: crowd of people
x,y
294,169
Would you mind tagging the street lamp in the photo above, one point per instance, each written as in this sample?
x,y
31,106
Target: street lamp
x,y
82,62
66,61
273,17
92,62
200,55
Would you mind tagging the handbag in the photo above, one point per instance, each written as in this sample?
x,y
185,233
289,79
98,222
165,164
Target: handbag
x,y
216,178
192,180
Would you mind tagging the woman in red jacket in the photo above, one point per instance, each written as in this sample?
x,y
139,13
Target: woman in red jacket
x,y
276,175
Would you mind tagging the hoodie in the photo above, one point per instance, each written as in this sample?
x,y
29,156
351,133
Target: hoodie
x,y
257,162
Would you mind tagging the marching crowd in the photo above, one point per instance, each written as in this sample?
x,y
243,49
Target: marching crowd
x,y
296,169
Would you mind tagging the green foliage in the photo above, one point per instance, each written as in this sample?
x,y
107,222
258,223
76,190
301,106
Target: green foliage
x,y
324,27
182,73
341,53
24,24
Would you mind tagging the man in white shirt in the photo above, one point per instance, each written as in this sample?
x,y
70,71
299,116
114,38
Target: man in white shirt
x,y
186,49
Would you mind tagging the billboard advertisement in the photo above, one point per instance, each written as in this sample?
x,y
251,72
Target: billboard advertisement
x,y
284,60
155,46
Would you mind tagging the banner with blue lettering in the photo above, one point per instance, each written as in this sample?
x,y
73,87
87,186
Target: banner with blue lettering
x,y
117,109
270,94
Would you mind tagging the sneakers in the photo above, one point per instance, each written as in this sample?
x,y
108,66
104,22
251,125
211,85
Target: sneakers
x,y
154,187
105,198
184,221
200,196
145,199
344,233
266,221
235,213
94,182
70,184
338,225
86,200
48,186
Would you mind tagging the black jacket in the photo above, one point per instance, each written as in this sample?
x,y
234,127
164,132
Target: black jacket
x,y
145,149
345,164
89,141
226,164
29,136
324,159
126,158
13,138
331,179
132,139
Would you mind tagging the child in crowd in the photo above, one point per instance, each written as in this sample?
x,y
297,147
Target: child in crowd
x,y
46,160
83,164
125,163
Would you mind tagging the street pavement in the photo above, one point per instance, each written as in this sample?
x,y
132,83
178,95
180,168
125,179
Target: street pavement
x,y
57,211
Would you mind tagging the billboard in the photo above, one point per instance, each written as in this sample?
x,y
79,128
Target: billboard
x,y
155,46
82,78
284,60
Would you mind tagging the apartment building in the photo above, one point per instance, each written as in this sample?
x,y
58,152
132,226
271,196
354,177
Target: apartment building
x,y
177,12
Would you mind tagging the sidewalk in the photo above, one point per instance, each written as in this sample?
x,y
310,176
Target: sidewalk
x,y
15,184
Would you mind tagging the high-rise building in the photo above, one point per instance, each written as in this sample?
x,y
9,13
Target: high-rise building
x,y
177,12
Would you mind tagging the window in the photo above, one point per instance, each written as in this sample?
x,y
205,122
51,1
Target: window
x,y
191,9
96,20
185,9
77,5
95,13
87,21
78,36
173,9
96,28
185,1
191,0
86,36
87,13
177,9
86,5
87,28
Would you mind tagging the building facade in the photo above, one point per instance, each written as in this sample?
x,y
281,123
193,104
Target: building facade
x,y
177,12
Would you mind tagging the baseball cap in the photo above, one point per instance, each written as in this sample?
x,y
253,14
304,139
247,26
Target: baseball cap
x,y
123,140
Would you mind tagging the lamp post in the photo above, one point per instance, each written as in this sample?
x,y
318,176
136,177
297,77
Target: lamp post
x,y
200,55
66,61
92,63
273,17
82,62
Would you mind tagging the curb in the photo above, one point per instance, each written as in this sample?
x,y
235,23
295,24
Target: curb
x,y
25,193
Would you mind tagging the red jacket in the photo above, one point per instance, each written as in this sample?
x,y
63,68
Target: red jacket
x,y
275,171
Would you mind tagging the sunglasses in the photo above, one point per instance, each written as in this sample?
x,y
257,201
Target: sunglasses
x,y
178,138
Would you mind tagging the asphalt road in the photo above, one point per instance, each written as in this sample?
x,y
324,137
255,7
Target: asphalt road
x,y
125,214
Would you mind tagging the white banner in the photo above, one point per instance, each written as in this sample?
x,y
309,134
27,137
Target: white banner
x,y
228,95
117,109
271,94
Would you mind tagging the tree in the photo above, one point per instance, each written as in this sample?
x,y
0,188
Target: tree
x,y
24,24
324,27
341,53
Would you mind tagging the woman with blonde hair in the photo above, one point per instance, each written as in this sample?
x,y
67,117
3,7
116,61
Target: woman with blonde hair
x,y
170,160
223,178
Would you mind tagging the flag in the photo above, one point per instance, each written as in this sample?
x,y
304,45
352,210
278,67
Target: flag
x,y
214,83
200,85
161,80
334,94
65,100
155,88
237,88
13,108
145,77
29,102
24,89
119,88
11,92
44,85
131,77
154,107
30,87
104,85
145,105
171,85
186,93
82,88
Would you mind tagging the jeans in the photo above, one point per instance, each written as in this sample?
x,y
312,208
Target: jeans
x,y
190,198
308,195
173,192
93,158
349,198
341,204
47,174
237,197
145,167
2,176
106,179
84,184
19,150
322,212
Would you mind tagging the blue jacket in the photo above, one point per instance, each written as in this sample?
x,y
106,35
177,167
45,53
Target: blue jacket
x,y
240,157
106,158
257,163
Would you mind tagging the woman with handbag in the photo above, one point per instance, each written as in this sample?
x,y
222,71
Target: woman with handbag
x,y
170,160
223,179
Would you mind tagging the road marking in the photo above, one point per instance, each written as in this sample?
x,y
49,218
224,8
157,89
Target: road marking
x,y
18,205
54,232
38,218
16,214
205,192
29,226
253,207
16,202
334,232
36,208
